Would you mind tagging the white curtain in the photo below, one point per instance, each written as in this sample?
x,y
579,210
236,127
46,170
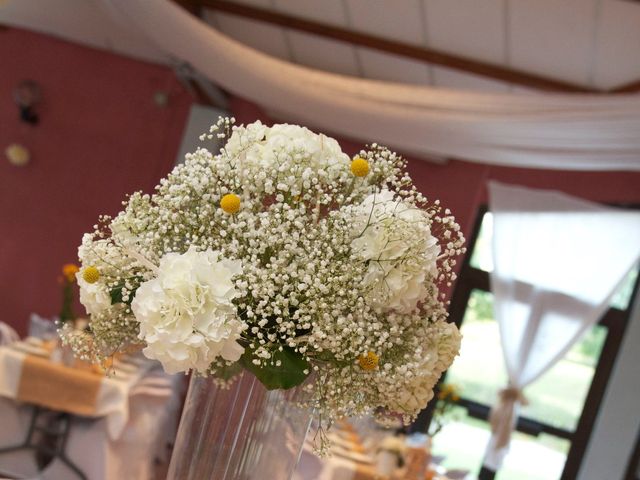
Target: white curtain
x,y
558,260
584,132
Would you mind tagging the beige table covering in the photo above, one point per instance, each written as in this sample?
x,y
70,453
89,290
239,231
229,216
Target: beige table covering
x,y
40,381
57,387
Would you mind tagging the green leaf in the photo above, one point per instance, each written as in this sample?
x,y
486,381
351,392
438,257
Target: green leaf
x,y
116,295
289,374
116,292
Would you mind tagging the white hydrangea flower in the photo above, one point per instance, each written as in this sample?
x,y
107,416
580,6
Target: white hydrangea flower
x,y
186,313
246,136
248,144
448,341
120,231
93,296
414,396
395,239
323,151
417,391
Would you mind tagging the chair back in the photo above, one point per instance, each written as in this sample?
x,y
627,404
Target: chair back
x,y
42,328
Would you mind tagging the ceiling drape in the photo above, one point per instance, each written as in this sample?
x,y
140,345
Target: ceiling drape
x,y
559,131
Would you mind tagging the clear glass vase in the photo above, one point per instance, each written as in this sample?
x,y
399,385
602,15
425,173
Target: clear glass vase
x,y
244,432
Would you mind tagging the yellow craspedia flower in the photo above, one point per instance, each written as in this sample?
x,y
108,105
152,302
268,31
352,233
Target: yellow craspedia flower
x,y
69,271
368,361
230,203
449,392
359,167
90,274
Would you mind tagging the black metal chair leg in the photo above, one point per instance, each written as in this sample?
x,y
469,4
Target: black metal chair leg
x,y
60,438
62,455
27,443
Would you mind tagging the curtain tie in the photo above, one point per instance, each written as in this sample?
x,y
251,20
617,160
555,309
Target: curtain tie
x,y
501,417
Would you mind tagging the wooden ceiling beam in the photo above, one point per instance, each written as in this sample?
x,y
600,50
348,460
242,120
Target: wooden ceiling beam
x,y
394,47
428,55
191,6
631,87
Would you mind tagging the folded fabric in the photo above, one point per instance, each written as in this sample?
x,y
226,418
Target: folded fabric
x,y
7,334
41,382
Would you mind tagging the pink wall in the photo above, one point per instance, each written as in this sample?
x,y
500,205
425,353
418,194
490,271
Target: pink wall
x,y
100,137
461,186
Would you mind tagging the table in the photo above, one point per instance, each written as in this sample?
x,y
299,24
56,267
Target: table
x,y
114,433
111,398
349,459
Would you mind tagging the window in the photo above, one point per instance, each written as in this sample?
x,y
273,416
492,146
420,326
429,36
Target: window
x,y
482,259
553,430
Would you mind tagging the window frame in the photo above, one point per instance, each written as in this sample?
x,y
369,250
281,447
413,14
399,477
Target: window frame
x,y
616,320
633,468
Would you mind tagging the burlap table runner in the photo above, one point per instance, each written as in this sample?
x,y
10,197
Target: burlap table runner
x,y
362,471
365,472
58,387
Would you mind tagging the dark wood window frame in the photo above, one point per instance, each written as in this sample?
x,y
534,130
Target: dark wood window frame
x,y
614,320
633,469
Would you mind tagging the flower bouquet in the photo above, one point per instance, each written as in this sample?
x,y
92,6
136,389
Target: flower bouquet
x,y
282,258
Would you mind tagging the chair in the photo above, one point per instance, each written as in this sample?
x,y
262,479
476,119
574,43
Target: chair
x,y
15,419
42,328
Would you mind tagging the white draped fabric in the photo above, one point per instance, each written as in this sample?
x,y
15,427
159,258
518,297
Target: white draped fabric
x,y
7,334
558,260
583,132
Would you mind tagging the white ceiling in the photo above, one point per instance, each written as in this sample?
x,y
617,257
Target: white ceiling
x,y
91,23
594,43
